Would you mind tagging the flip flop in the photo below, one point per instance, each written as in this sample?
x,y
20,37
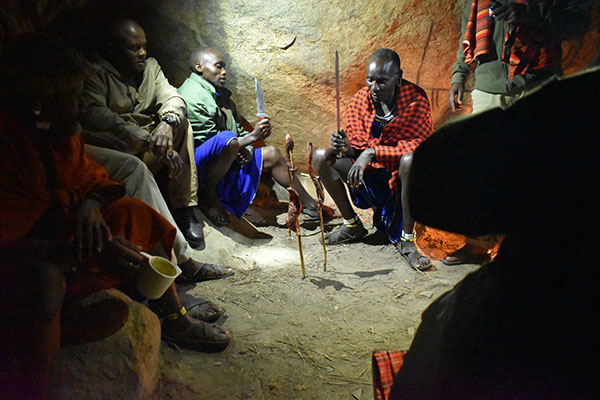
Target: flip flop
x,y
312,214
346,234
464,255
412,257
197,306
199,336
204,274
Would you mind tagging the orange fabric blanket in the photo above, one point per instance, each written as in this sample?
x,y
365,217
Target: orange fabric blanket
x,y
27,201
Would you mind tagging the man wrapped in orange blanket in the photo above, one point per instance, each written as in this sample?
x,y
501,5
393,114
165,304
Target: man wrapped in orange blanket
x,y
66,230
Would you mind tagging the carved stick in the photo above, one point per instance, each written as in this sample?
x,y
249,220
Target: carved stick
x,y
295,205
320,199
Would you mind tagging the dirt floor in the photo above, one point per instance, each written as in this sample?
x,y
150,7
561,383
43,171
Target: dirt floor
x,y
298,338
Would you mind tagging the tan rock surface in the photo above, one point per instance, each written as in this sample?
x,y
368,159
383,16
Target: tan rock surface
x,y
124,365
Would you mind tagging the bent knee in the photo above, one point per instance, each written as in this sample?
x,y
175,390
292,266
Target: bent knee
x,y
272,154
322,159
405,163
233,146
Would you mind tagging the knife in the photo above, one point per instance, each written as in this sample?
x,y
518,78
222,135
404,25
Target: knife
x,y
260,100
337,88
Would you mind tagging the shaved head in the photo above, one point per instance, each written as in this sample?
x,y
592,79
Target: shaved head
x,y
200,56
209,63
385,55
122,28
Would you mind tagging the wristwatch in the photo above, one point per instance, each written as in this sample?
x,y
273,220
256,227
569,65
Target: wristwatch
x,y
171,118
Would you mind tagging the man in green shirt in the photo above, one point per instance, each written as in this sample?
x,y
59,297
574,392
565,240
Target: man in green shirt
x,y
229,167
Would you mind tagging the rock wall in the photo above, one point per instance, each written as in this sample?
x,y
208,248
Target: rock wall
x,y
298,79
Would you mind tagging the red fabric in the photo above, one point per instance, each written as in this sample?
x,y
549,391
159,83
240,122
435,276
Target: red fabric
x,y
402,135
24,197
528,52
386,365
25,200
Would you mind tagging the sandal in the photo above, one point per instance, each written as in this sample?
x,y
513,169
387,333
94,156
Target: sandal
x,y
312,214
213,215
468,254
198,336
196,307
206,272
346,234
411,255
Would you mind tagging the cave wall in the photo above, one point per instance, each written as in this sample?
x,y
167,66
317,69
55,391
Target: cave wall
x,y
298,81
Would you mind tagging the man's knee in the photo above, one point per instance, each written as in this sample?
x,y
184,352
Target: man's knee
x,y
322,160
405,164
232,147
271,156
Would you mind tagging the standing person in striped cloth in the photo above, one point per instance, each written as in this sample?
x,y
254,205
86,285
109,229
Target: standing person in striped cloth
x,y
385,122
515,45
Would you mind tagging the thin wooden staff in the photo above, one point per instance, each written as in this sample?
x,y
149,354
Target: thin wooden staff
x,y
320,199
295,205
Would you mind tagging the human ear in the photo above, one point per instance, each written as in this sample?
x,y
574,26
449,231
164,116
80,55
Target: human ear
x,y
198,68
399,77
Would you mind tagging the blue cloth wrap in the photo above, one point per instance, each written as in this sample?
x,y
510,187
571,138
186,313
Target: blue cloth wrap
x,y
239,185
375,193
387,209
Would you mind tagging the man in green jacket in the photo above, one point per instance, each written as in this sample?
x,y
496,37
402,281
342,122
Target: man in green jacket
x,y
229,167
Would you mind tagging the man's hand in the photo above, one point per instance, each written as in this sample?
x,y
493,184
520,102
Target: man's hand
x,y
512,13
174,162
91,232
244,155
355,175
122,256
262,130
161,143
340,143
455,96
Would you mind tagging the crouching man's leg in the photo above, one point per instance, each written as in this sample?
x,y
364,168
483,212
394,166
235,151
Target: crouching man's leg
x,y
274,162
407,241
334,172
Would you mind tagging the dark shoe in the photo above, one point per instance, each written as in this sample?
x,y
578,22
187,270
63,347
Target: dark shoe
x,y
468,254
189,226
205,272
411,255
346,234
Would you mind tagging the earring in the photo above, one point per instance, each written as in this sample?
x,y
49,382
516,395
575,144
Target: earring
x,y
37,110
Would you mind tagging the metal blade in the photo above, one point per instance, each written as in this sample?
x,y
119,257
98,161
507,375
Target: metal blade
x,y
337,88
260,99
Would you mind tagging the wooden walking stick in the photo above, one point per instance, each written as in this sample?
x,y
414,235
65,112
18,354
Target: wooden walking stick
x,y
295,205
320,199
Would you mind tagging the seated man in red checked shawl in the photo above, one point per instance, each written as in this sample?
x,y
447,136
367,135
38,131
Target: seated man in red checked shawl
x,y
385,123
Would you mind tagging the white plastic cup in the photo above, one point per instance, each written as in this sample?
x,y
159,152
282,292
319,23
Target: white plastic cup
x,y
156,276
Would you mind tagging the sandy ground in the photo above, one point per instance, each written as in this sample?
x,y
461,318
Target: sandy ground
x,y
298,338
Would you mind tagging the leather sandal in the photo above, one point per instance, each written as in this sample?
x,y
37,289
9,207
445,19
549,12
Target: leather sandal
x,y
199,336
312,214
346,234
411,255
196,307
206,272
468,254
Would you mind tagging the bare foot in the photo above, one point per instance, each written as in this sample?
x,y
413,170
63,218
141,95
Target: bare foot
x,y
212,207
